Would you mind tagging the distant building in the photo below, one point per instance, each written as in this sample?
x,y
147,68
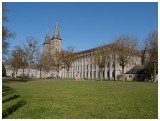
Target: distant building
x,y
34,71
83,64
135,74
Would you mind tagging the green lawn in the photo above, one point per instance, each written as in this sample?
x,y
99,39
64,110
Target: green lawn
x,y
83,100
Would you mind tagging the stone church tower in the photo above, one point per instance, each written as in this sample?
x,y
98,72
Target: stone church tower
x,y
46,45
55,41
54,44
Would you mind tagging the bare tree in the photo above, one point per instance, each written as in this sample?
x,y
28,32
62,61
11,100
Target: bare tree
x,y
100,58
31,48
23,59
69,57
46,62
125,49
57,61
152,44
43,62
17,59
40,62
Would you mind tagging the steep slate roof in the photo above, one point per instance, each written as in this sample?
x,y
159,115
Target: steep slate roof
x,y
93,49
56,34
139,69
47,39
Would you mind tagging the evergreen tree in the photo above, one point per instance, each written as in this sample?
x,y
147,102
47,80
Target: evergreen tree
x,y
3,70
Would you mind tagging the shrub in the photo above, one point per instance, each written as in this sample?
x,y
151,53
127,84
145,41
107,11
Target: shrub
x,y
119,77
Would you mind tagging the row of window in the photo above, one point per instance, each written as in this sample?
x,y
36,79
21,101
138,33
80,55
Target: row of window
x,y
91,60
87,67
89,74
8,70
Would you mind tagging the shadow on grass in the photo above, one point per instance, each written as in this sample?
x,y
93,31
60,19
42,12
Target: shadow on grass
x,y
17,79
10,98
13,108
6,90
7,93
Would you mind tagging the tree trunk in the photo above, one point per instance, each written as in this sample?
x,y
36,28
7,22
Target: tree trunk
x,y
16,73
57,74
28,74
67,72
123,73
40,73
23,70
101,74
154,74
23,73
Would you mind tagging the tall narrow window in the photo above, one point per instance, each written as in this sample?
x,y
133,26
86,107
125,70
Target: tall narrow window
x,y
91,74
113,64
94,74
103,74
108,74
113,73
90,66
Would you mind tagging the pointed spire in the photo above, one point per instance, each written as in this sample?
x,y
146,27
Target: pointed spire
x,y
56,34
47,39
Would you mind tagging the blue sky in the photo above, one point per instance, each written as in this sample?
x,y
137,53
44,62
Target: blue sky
x,y
83,25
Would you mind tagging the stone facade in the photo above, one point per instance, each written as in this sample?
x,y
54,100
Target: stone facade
x,y
34,72
85,68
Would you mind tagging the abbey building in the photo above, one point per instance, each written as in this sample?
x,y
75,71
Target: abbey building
x,y
83,63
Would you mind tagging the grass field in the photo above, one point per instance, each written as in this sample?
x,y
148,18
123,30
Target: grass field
x,y
81,100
